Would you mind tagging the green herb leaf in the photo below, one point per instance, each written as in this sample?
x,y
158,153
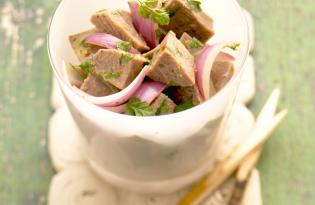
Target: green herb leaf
x,y
172,84
234,46
125,57
163,109
157,15
175,51
124,46
148,62
136,107
87,66
184,106
151,2
83,69
106,75
194,5
81,42
144,11
160,16
159,33
99,11
195,43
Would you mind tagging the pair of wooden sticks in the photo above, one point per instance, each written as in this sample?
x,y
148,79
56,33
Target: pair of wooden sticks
x,y
244,158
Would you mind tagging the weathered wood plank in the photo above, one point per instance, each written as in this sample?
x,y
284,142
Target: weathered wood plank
x,y
25,78
284,55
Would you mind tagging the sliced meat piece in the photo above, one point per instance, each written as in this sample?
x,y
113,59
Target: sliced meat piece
x,y
94,85
193,45
119,23
221,73
173,64
184,19
151,53
74,78
117,67
81,49
187,94
163,105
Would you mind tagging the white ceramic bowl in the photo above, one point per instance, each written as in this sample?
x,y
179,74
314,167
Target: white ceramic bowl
x,y
147,154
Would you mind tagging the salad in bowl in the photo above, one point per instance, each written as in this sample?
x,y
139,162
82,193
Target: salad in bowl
x,y
149,83
151,60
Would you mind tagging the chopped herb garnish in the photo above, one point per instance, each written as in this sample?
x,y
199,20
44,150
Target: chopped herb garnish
x,y
106,75
144,12
83,69
116,13
159,33
194,5
178,51
150,2
175,51
81,42
148,62
125,57
195,43
136,107
163,109
184,106
99,11
160,16
157,15
234,46
124,46
171,50
158,49
172,84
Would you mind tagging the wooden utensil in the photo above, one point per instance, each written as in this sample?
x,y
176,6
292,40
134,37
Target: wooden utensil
x,y
259,136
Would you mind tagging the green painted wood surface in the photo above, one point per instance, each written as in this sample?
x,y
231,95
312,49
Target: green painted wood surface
x,y
284,54
25,80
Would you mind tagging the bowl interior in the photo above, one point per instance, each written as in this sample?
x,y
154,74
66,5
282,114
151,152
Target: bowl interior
x,y
73,16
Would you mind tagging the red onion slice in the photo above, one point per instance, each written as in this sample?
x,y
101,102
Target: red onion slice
x,y
204,64
147,92
107,41
144,26
117,98
150,90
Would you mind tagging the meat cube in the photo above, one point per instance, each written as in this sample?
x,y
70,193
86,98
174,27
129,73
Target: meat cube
x,y
94,85
151,53
163,105
221,73
173,64
119,23
193,45
74,77
81,49
186,94
117,67
186,19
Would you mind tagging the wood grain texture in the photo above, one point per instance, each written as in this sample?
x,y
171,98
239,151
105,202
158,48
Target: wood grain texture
x,y
25,76
284,55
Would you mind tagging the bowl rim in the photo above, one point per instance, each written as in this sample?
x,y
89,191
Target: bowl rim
x,y
244,52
